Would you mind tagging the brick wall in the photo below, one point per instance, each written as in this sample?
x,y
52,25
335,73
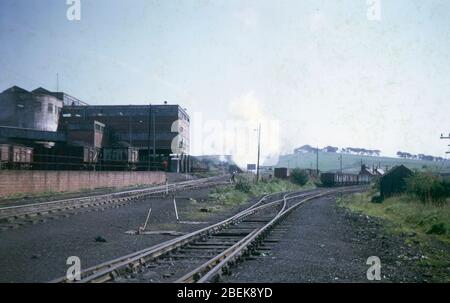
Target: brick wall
x,y
35,181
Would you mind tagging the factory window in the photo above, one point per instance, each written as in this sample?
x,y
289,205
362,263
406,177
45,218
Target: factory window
x,y
67,115
50,108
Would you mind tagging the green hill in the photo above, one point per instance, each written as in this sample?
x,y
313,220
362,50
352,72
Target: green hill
x,y
352,163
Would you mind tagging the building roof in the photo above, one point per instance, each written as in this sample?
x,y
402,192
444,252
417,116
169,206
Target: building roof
x,y
379,171
15,89
400,169
365,170
41,90
123,109
66,98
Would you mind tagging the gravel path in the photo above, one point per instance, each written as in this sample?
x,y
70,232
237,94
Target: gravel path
x,y
320,242
38,253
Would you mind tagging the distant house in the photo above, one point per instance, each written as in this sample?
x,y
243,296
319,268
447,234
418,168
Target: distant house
x,y
394,181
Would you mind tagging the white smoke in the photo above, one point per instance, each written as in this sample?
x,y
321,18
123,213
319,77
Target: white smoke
x,y
248,113
238,135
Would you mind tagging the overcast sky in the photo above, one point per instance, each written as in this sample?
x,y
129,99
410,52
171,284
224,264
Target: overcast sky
x,y
312,72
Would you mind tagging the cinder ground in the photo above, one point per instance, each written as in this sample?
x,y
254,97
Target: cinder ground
x,y
38,253
323,243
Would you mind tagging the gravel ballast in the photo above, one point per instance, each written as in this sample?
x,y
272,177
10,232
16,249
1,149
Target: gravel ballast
x,y
321,242
38,252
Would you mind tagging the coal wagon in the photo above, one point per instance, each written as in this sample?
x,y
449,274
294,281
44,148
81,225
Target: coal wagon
x,y
332,179
13,156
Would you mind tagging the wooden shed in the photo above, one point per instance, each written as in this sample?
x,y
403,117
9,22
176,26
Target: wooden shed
x,y
394,182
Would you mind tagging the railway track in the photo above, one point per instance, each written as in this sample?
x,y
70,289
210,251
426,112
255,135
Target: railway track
x,y
16,216
203,255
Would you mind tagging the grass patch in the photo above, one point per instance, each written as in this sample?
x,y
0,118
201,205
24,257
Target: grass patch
x,y
405,213
424,225
223,197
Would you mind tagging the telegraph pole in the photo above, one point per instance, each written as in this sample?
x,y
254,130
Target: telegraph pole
x,y
448,137
259,152
149,135
130,132
154,135
317,161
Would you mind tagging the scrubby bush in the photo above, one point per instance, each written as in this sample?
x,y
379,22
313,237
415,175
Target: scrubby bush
x,y
243,185
299,176
437,229
376,199
428,187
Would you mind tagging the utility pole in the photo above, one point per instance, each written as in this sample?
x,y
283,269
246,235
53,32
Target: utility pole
x,y
317,161
448,137
149,131
340,158
154,135
130,132
259,152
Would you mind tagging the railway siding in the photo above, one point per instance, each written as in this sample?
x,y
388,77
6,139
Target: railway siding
x,y
180,259
15,216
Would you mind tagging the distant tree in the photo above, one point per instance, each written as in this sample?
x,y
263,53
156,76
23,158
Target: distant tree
x,y
406,155
428,158
330,149
349,150
401,154
305,149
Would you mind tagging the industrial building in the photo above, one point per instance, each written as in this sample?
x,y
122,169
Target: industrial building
x,y
67,133
155,130
33,110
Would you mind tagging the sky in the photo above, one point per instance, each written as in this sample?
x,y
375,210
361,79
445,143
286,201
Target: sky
x,y
316,72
